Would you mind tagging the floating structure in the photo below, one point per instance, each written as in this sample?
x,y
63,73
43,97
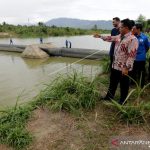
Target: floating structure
x,y
43,49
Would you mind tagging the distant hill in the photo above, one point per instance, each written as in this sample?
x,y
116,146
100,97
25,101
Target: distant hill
x,y
77,23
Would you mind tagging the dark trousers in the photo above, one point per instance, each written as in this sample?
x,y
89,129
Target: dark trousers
x,y
111,61
149,70
115,78
138,72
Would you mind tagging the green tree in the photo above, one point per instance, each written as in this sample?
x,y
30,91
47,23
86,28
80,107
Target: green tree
x,y
141,18
95,27
41,24
148,23
148,26
4,23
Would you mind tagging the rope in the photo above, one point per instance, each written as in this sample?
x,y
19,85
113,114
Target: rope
x,y
43,82
72,63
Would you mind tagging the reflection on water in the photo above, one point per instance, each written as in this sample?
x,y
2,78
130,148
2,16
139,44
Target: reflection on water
x,y
24,78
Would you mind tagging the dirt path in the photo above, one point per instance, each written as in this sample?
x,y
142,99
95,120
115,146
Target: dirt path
x,y
4,147
64,131
50,129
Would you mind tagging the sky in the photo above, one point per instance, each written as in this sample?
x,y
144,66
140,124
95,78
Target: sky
x,y
34,11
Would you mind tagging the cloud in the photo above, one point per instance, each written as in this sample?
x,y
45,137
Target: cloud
x,y
18,12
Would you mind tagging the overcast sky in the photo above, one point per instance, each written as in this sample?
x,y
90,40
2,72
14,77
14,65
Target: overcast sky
x,y
33,11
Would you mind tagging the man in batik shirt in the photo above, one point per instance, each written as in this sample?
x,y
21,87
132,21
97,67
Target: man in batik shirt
x,y
126,46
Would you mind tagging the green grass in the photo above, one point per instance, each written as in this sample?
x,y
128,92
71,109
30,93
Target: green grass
x,y
136,110
105,63
12,127
70,93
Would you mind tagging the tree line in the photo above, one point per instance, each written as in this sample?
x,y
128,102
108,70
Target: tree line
x,y
42,30
145,22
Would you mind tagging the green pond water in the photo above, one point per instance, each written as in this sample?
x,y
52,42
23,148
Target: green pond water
x,y
23,79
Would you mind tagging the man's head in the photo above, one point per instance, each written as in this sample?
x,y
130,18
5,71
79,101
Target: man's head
x,y
116,22
137,28
126,26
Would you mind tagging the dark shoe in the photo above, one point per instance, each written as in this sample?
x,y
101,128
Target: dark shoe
x,y
105,98
122,102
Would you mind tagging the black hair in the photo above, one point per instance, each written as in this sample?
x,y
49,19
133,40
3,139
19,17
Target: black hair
x,y
128,23
132,23
139,26
116,18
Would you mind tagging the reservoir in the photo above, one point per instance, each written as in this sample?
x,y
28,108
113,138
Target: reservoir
x,y
22,78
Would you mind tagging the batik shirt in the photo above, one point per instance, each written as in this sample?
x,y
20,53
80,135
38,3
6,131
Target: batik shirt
x,y
125,50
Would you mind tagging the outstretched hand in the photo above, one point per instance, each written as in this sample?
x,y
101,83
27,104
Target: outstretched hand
x,y
96,35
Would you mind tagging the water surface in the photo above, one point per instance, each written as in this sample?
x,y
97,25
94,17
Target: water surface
x,y
86,41
24,78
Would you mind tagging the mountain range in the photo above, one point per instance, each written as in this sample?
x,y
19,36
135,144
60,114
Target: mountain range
x,y
78,23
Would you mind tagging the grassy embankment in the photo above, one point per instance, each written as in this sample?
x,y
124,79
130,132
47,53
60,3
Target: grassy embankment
x,y
79,96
